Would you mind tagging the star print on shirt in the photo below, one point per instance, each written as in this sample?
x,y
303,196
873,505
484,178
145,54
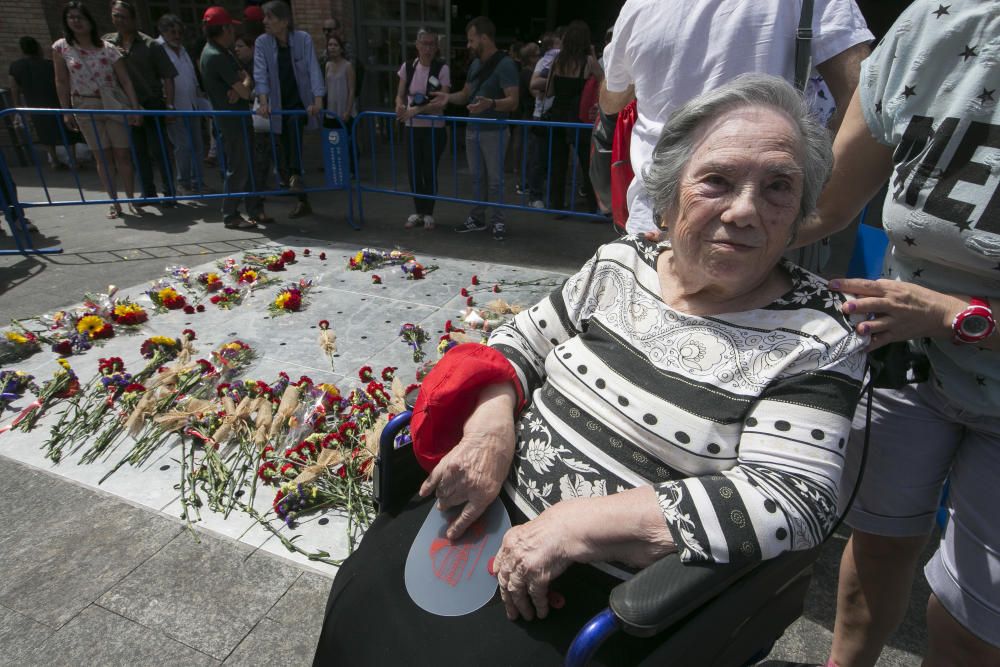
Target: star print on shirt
x,y
970,52
986,96
918,273
964,226
878,107
908,91
942,10
980,380
910,241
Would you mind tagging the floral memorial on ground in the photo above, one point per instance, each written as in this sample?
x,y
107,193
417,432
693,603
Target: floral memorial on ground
x,y
308,445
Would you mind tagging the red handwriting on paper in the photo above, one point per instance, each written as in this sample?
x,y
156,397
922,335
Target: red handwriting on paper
x,y
454,561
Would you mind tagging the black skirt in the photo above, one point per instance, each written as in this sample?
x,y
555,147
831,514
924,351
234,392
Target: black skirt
x,y
371,620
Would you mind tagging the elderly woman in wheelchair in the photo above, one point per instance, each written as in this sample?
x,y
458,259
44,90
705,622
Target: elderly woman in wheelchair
x,y
692,395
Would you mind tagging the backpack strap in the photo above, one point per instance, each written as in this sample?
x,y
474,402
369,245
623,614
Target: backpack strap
x,y
411,69
803,36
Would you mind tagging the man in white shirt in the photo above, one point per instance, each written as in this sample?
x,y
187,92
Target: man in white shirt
x,y
184,133
700,44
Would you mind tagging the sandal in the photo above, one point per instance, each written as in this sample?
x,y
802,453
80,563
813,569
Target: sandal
x,y
135,210
114,212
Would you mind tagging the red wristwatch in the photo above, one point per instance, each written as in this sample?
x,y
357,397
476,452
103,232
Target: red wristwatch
x,y
975,323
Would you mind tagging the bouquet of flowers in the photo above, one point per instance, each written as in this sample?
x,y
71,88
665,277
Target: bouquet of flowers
x,y
252,278
414,270
272,261
414,336
227,297
180,274
210,281
13,384
126,312
233,355
18,344
290,299
165,297
369,259
94,327
63,384
87,409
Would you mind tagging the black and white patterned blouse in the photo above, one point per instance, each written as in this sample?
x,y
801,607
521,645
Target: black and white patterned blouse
x,y
739,421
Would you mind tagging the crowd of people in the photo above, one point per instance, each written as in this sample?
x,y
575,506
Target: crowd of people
x,y
260,63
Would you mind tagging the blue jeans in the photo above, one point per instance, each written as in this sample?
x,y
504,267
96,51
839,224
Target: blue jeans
x,y
484,149
185,137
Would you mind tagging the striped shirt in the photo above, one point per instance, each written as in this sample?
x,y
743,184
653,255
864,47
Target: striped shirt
x,y
738,421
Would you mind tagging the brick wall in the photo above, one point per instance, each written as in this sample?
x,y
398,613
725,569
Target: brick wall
x,y
310,14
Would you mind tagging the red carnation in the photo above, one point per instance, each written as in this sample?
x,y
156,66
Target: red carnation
x,y
469,301
305,252
215,299
376,279
322,255
289,256
464,292
475,280
63,348
496,289
200,308
189,309
276,266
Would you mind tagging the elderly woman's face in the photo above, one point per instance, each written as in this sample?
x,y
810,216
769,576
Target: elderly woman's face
x,y
738,198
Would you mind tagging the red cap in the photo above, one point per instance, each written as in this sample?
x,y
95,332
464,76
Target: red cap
x,y
253,13
217,16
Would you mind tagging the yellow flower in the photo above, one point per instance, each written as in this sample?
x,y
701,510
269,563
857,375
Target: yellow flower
x,y
232,346
123,309
359,257
15,337
162,340
65,364
212,278
167,293
330,389
89,324
282,299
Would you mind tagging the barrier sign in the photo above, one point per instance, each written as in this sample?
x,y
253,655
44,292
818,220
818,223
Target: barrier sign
x,y
335,159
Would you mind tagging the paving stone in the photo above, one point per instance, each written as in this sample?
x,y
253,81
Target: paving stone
x,y
19,636
208,595
271,643
99,637
64,545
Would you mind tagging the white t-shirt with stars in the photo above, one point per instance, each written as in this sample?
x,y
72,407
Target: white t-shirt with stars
x,y
931,90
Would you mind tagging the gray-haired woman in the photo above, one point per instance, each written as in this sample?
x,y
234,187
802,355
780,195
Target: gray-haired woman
x,y
693,395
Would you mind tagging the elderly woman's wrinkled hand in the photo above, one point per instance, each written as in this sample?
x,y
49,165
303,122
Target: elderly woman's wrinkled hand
x,y
473,472
897,310
532,555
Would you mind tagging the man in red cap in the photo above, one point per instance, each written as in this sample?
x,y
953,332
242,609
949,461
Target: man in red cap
x,y
228,88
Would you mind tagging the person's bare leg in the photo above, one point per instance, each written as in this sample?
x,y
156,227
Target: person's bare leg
x,y
876,575
951,645
104,161
123,163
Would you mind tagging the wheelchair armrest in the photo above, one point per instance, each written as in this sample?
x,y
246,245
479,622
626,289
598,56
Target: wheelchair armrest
x,y
397,475
667,591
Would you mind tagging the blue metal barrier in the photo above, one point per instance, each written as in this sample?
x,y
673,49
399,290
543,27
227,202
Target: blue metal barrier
x,y
14,207
376,184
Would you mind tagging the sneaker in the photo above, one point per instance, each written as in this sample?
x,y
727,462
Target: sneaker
x,y
30,226
537,203
499,231
413,221
237,221
428,222
471,225
295,183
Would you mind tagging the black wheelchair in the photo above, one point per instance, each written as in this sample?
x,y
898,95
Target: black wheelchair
x,y
708,615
